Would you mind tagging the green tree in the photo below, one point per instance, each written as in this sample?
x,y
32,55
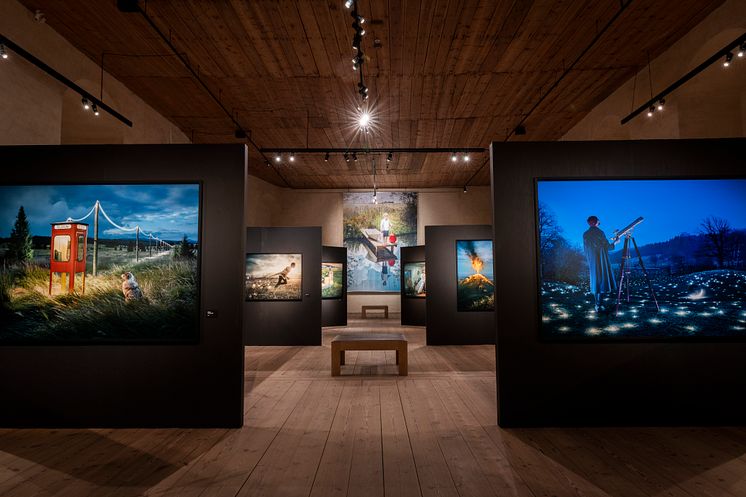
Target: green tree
x,y
183,249
20,247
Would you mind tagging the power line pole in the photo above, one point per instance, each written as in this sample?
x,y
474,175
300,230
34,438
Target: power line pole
x,y
95,237
137,244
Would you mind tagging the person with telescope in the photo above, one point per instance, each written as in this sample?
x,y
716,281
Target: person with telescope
x,y
596,247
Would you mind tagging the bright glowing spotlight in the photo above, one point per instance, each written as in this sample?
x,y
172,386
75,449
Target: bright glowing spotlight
x,y
364,119
85,103
454,158
728,58
278,158
292,158
3,52
95,110
348,4
466,158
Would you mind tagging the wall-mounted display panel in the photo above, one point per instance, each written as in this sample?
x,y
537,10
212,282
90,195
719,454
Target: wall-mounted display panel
x,y
99,263
674,267
415,280
475,276
271,277
332,280
374,232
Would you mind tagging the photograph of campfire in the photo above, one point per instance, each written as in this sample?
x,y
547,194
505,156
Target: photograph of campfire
x,y
476,281
642,259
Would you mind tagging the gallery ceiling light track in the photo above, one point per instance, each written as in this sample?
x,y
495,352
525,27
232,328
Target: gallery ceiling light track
x,y
93,102
392,150
657,102
357,41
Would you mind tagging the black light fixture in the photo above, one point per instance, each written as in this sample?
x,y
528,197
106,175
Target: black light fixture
x,y
326,157
240,134
3,52
742,49
95,110
86,104
520,130
347,157
728,58
292,157
464,188
389,157
278,158
661,103
268,164
354,156
454,157
651,109
466,158
349,3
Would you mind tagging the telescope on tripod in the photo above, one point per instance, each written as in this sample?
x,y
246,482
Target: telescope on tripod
x,y
624,272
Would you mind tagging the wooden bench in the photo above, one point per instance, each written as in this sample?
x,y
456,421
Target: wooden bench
x,y
383,308
369,341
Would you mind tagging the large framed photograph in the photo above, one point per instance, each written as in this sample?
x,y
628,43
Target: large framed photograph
x,y
374,232
332,280
274,277
104,263
475,281
415,282
641,259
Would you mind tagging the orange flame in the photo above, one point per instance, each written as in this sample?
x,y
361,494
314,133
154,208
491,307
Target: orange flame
x,y
477,264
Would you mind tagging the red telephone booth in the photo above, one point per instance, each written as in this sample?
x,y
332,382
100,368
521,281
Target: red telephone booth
x,y
67,255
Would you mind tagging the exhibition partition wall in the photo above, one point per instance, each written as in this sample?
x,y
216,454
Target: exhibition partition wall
x,y
460,285
282,286
414,286
640,325
333,287
122,271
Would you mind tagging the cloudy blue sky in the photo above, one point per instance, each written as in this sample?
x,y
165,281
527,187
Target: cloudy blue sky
x,y
167,211
670,207
483,249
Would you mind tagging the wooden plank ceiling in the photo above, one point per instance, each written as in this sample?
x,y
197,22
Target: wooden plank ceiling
x,y
442,73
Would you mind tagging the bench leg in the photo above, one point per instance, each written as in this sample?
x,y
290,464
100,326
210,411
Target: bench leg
x,y
336,357
342,357
402,356
397,356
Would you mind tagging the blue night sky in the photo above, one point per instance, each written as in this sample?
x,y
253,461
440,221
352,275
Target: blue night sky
x,y
670,207
167,211
483,248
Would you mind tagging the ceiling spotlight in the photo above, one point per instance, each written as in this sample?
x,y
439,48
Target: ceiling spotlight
x,y
85,103
326,157
364,120
292,157
278,158
95,110
651,109
362,32
466,158
454,158
354,156
347,157
361,19
661,103
3,53
742,49
348,4
268,164
728,58
464,189
389,157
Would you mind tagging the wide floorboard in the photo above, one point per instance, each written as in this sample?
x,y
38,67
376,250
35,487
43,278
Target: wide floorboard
x,y
372,433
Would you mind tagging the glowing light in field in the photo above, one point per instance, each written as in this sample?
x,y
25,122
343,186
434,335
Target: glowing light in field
x,y
705,314
737,328
681,313
612,328
546,319
593,331
629,325
591,317
690,328
564,328
655,321
664,310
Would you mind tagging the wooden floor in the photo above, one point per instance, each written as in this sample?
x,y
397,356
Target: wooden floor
x,y
373,433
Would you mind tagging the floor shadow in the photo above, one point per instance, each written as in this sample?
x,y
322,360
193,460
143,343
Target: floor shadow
x,y
633,462
100,460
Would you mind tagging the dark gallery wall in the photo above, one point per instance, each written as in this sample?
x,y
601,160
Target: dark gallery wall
x,y
445,324
334,311
601,383
287,322
413,310
185,385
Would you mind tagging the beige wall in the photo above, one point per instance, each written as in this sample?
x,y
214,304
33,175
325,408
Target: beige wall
x,y
36,109
711,105
268,205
